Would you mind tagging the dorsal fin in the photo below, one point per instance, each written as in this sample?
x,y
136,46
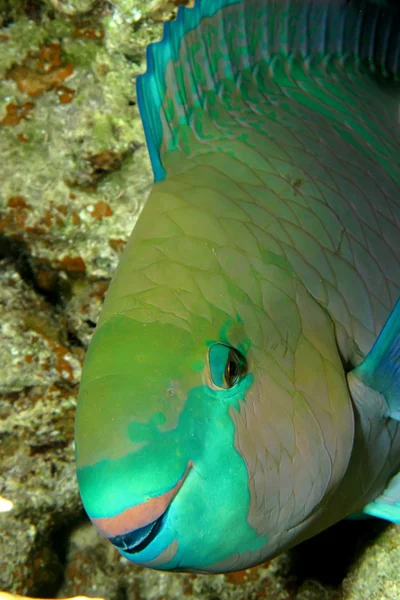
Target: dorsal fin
x,y
188,62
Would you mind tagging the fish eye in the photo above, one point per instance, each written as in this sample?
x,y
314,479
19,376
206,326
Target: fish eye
x,y
226,366
232,370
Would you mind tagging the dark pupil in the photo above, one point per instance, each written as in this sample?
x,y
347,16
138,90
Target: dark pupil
x,y
232,370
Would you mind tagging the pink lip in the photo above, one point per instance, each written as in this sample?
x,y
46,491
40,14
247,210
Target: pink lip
x,y
138,516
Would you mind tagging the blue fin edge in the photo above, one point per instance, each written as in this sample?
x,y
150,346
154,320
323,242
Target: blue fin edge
x,y
151,85
387,505
380,369
381,510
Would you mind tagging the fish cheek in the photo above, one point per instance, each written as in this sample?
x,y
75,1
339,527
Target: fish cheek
x,y
215,501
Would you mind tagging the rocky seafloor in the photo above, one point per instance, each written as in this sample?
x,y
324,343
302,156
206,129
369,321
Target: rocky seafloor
x,y
74,173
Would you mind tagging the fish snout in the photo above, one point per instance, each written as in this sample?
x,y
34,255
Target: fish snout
x,y
133,529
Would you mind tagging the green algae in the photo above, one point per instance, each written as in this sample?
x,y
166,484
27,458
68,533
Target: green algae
x,y
52,166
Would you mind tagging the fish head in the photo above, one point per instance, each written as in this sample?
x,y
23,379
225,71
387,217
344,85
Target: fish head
x,y
157,467
196,450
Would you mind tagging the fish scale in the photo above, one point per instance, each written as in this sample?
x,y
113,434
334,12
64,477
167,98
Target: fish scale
x,y
249,341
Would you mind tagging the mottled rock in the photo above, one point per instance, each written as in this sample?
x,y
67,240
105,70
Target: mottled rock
x,y
73,7
375,574
71,144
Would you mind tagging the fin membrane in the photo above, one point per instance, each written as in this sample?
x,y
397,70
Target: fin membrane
x,y
387,505
379,374
218,40
380,370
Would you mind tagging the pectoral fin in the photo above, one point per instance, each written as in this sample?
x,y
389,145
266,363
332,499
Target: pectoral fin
x,y
375,384
387,505
379,373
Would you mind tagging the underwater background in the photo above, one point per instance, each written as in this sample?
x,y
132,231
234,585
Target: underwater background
x,y
74,174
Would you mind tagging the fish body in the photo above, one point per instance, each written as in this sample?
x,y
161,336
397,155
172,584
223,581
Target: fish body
x,y
241,391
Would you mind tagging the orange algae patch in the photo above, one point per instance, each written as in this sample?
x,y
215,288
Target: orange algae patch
x,y
65,94
239,577
40,72
49,57
105,162
46,279
117,245
75,218
16,112
63,367
62,208
55,215
97,167
101,210
18,202
16,218
100,289
35,84
72,264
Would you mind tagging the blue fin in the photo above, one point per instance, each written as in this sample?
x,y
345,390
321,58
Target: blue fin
x,y
387,505
185,64
151,86
380,370
376,383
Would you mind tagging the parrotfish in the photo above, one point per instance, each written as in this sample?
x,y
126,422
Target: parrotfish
x,y
241,392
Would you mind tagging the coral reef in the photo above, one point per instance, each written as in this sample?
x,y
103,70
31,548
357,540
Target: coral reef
x,y
74,176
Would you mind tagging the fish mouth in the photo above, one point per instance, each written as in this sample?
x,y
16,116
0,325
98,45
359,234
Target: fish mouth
x,y
139,539
133,529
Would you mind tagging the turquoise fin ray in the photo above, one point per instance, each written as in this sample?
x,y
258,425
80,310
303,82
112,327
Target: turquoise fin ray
x,y
151,86
380,370
184,65
387,505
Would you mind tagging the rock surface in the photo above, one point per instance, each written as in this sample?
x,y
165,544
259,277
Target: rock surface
x,y
74,175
